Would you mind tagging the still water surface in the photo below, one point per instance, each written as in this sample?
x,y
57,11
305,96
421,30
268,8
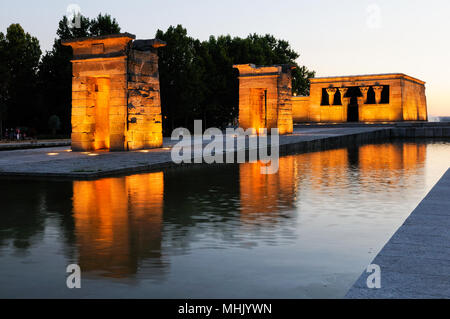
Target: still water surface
x,y
219,231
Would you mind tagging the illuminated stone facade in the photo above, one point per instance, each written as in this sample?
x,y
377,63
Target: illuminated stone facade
x,y
365,98
116,102
265,97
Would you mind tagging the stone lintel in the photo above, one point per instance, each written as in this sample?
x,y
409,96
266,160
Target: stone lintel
x,y
147,45
93,58
363,78
76,41
103,46
246,70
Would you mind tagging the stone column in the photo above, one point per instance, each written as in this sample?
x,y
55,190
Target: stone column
x,y
364,90
343,91
360,100
378,90
331,92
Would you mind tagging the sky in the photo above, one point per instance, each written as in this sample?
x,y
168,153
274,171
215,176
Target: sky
x,y
345,37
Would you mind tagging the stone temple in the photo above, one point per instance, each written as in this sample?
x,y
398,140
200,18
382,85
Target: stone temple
x,y
265,99
363,98
265,95
116,104
116,101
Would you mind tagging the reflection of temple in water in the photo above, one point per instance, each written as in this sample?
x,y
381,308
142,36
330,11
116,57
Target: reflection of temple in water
x,y
383,164
373,165
264,195
118,223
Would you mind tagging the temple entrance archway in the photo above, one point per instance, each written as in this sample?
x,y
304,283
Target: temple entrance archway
x,y
354,94
353,110
258,107
100,90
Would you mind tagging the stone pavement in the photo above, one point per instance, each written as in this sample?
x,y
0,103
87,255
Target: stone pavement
x,y
415,263
33,144
61,162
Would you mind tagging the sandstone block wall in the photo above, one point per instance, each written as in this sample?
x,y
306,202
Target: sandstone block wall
x,y
265,97
115,93
300,109
144,101
406,99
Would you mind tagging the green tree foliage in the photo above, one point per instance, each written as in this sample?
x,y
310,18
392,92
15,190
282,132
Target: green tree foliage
x,y
19,58
199,82
55,70
54,123
104,25
180,77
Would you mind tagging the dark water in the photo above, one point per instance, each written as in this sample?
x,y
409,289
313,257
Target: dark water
x,y
219,231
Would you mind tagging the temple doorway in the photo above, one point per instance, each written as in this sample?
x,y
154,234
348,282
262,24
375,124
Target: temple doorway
x,y
353,93
258,108
101,94
353,110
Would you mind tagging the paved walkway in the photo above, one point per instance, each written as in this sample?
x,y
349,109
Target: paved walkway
x,y
60,162
33,144
415,263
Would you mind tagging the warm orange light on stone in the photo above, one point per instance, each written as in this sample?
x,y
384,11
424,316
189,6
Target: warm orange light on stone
x,y
115,93
101,106
118,221
265,97
331,93
261,194
406,99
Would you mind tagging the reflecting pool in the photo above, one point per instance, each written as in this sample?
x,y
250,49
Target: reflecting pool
x,y
220,231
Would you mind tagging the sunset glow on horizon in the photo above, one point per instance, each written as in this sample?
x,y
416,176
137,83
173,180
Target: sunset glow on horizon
x,y
333,38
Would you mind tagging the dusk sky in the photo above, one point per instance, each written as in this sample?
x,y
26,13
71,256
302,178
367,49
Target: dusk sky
x,y
333,37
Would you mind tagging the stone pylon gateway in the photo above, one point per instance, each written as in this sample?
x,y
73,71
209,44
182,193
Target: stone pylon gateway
x,y
116,101
265,97
266,101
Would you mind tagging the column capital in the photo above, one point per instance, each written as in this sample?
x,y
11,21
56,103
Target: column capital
x,y
343,91
378,89
331,92
364,90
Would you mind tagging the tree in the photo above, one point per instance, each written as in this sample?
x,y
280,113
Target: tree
x,y
4,78
19,54
54,123
181,88
103,25
198,80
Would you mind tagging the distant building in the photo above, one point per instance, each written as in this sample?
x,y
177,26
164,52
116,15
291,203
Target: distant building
x,y
362,98
266,101
265,94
